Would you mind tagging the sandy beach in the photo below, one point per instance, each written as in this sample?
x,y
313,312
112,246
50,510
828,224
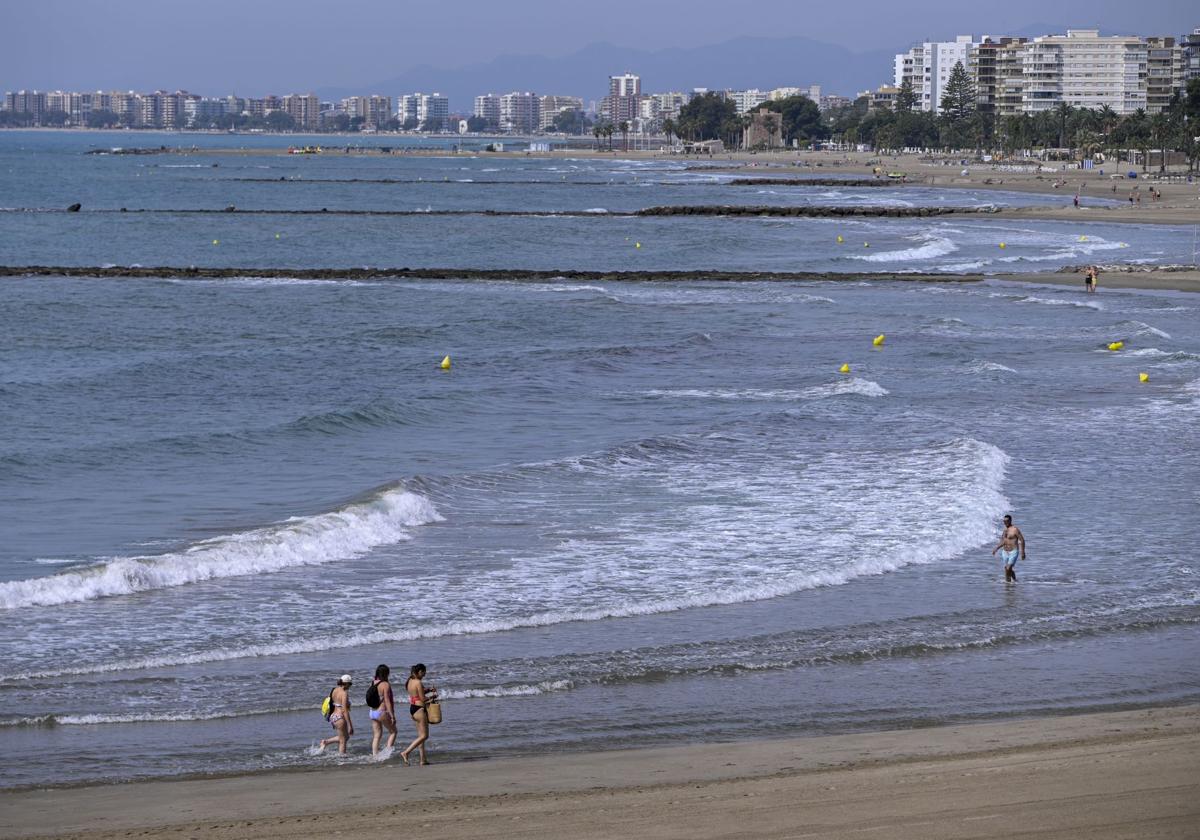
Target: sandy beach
x,y
1128,774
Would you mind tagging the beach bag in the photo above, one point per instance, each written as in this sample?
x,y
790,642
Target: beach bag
x,y
327,705
373,699
433,711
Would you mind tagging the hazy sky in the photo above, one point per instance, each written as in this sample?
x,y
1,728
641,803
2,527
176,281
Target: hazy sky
x,y
258,46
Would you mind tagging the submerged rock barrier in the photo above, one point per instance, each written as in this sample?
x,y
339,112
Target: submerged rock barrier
x,y
814,182
819,212
437,273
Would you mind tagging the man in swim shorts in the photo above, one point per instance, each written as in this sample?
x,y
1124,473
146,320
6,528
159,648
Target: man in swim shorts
x,y
1010,541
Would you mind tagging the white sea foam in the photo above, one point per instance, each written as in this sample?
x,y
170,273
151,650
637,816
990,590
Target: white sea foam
x,y
743,548
931,247
983,366
1082,304
507,690
299,541
862,387
599,211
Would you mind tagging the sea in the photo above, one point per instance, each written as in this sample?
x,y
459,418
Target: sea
x,y
629,514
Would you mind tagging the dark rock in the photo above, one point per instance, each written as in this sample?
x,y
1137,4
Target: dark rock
x,y
74,208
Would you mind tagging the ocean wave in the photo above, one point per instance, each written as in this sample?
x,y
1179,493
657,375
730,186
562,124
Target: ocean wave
x,y
300,541
862,387
983,366
1164,355
932,247
1083,304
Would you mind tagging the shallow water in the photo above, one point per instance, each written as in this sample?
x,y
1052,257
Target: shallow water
x,y
629,513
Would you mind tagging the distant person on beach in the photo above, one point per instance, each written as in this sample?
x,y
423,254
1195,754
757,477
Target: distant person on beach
x,y
418,699
383,709
1089,279
1010,541
339,702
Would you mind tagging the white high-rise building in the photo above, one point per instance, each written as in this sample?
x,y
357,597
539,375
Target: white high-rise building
x,y
747,100
927,67
520,113
433,112
1085,70
487,107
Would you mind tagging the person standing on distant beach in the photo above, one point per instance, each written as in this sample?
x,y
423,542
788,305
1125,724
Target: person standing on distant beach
x,y
383,712
339,702
418,698
1010,541
1089,279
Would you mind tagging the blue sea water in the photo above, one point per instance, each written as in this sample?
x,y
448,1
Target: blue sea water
x,y
629,514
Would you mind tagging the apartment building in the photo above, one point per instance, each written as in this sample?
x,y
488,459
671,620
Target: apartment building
x,y
355,107
1084,70
995,67
304,109
433,112
667,105
927,67
378,110
487,108
747,100
1190,46
813,92
1165,72
623,103
550,107
28,101
520,113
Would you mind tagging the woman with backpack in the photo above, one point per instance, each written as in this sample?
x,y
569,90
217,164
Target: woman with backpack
x,y
418,700
383,709
339,714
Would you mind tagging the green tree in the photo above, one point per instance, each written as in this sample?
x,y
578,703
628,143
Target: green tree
x,y
571,121
959,98
959,123
706,117
475,125
623,127
906,98
102,119
668,127
801,119
56,119
280,121
338,122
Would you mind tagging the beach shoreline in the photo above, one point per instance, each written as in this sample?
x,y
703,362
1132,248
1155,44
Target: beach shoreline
x,y
1111,774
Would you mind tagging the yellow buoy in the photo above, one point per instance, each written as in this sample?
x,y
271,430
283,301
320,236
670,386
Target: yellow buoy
x,y
1116,345
840,240
277,236
1143,377
866,244
216,241
878,341
844,369
637,244
1002,245
446,363
1083,239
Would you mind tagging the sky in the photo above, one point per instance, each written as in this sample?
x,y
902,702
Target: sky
x,y
258,46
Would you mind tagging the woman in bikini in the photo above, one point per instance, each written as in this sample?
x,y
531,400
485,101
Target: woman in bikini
x,y
418,697
339,700
383,716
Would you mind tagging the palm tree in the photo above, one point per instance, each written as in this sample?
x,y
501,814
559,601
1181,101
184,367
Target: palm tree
x,y
608,132
1063,111
597,130
624,129
668,127
1160,127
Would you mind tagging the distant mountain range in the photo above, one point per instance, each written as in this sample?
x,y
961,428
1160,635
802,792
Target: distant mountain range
x,y
763,63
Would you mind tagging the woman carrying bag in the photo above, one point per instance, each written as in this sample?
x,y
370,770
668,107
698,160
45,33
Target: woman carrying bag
x,y
423,708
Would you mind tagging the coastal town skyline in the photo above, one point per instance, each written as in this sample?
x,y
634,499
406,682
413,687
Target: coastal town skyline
x,y
1005,76
259,54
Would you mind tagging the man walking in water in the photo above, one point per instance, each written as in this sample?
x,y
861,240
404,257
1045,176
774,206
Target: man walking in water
x,y
1010,541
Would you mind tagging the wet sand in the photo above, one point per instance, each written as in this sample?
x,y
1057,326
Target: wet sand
x,y
1130,774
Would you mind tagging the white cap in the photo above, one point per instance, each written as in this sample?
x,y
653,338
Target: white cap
x,y
346,679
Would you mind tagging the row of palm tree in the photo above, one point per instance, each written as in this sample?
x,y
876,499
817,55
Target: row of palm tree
x,y
607,129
